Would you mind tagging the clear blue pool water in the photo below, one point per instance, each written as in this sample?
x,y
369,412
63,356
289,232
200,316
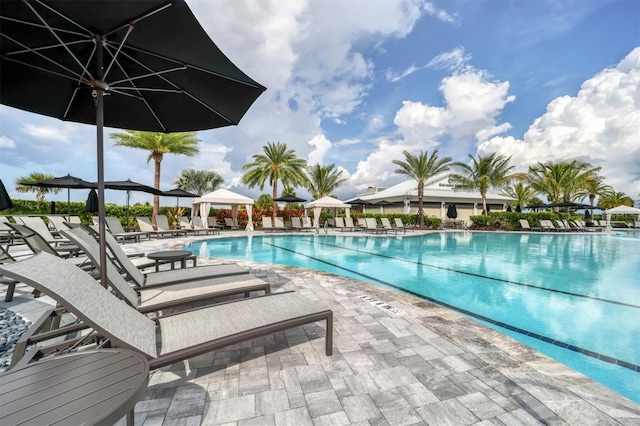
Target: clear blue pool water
x,y
563,295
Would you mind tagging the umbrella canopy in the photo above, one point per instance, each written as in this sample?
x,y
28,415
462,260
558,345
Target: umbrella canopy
x,y
518,209
129,185
452,211
178,193
587,215
158,66
5,200
69,182
290,199
537,206
359,202
509,209
91,205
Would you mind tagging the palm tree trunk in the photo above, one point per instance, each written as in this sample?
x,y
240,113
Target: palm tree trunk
x,y
420,209
484,202
275,195
156,185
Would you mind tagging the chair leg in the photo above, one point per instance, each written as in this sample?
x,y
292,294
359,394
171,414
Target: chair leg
x,y
329,335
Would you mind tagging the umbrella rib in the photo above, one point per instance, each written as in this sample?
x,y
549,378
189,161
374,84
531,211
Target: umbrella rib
x,y
115,55
55,35
152,74
35,24
75,91
66,18
209,108
46,70
136,20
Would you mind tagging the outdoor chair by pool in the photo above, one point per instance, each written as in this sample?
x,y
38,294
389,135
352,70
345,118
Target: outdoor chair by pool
x,y
6,233
170,338
152,298
188,227
339,223
348,224
306,223
37,225
362,223
267,225
372,226
524,225
58,222
116,229
401,225
157,278
5,257
37,243
296,224
212,222
162,223
278,224
228,222
387,225
199,226
144,223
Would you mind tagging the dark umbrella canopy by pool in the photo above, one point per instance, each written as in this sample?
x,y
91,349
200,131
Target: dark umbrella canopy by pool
x,y
5,200
139,65
129,185
178,193
69,182
452,211
290,199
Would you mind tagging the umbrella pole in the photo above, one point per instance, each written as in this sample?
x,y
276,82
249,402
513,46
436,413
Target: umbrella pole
x,y
100,148
69,204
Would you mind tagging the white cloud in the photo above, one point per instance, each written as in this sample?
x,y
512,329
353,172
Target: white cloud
x,y
7,142
376,122
453,60
378,168
441,14
321,145
63,132
598,125
347,142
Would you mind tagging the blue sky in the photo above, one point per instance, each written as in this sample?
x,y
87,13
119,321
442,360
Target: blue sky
x,y
355,83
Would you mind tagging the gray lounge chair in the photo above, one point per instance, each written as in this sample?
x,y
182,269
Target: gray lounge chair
x,y
306,223
524,225
170,338
267,225
162,277
37,225
198,225
372,226
297,225
37,243
6,233
348,224
401,225
152,298
387,225
58,222
229,223
278,224
116,229
162,223
144,223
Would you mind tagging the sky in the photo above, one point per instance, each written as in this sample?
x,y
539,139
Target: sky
x,y
355,83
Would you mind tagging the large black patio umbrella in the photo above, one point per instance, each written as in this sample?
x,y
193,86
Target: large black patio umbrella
x,y
518,209
290,199
141,65
179,193
452,211
69,182
92,203
509,209
5,200
129,185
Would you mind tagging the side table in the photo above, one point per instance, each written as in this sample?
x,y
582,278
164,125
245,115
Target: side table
x,y
172,256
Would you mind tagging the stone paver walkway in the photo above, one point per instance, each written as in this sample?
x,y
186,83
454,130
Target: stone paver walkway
x,y
397,360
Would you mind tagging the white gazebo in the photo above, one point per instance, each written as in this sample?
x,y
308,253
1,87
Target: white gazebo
x,y
223,197
326,203
622,210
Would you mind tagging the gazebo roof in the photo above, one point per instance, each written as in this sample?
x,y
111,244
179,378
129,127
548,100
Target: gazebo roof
x,y
223,197
327,202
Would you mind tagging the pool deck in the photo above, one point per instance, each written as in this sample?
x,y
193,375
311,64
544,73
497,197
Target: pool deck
x,y
397,360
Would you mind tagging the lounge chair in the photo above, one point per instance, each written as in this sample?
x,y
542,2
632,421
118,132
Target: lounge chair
x,y
6,233
151,298
362,223
267,225
198,225
75,219
372,226
306,223
116,229
58,223
348,224
145,226
187,226
37,243
278,224
37,225
228,222
212,222
5,257
401,225
170,338
131,268
387,225
162,223
339,223
296,224
561,226
524,225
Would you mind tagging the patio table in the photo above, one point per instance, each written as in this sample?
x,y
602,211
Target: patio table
x,y
88,387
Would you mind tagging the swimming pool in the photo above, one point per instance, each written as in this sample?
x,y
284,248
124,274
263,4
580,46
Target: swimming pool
x,y
573,297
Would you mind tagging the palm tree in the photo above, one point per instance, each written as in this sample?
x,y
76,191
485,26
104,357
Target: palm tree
x,y
591,187
561,181
276,164
183,143
614,199
198,181
323,180
40,192
422,167
484,173
521,193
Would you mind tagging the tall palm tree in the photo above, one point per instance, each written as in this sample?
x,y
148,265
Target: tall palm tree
x,y
323,180
520,192
614,199
278,164
422,167
483,174
159,144
40,192
591,187
561,181
198,181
